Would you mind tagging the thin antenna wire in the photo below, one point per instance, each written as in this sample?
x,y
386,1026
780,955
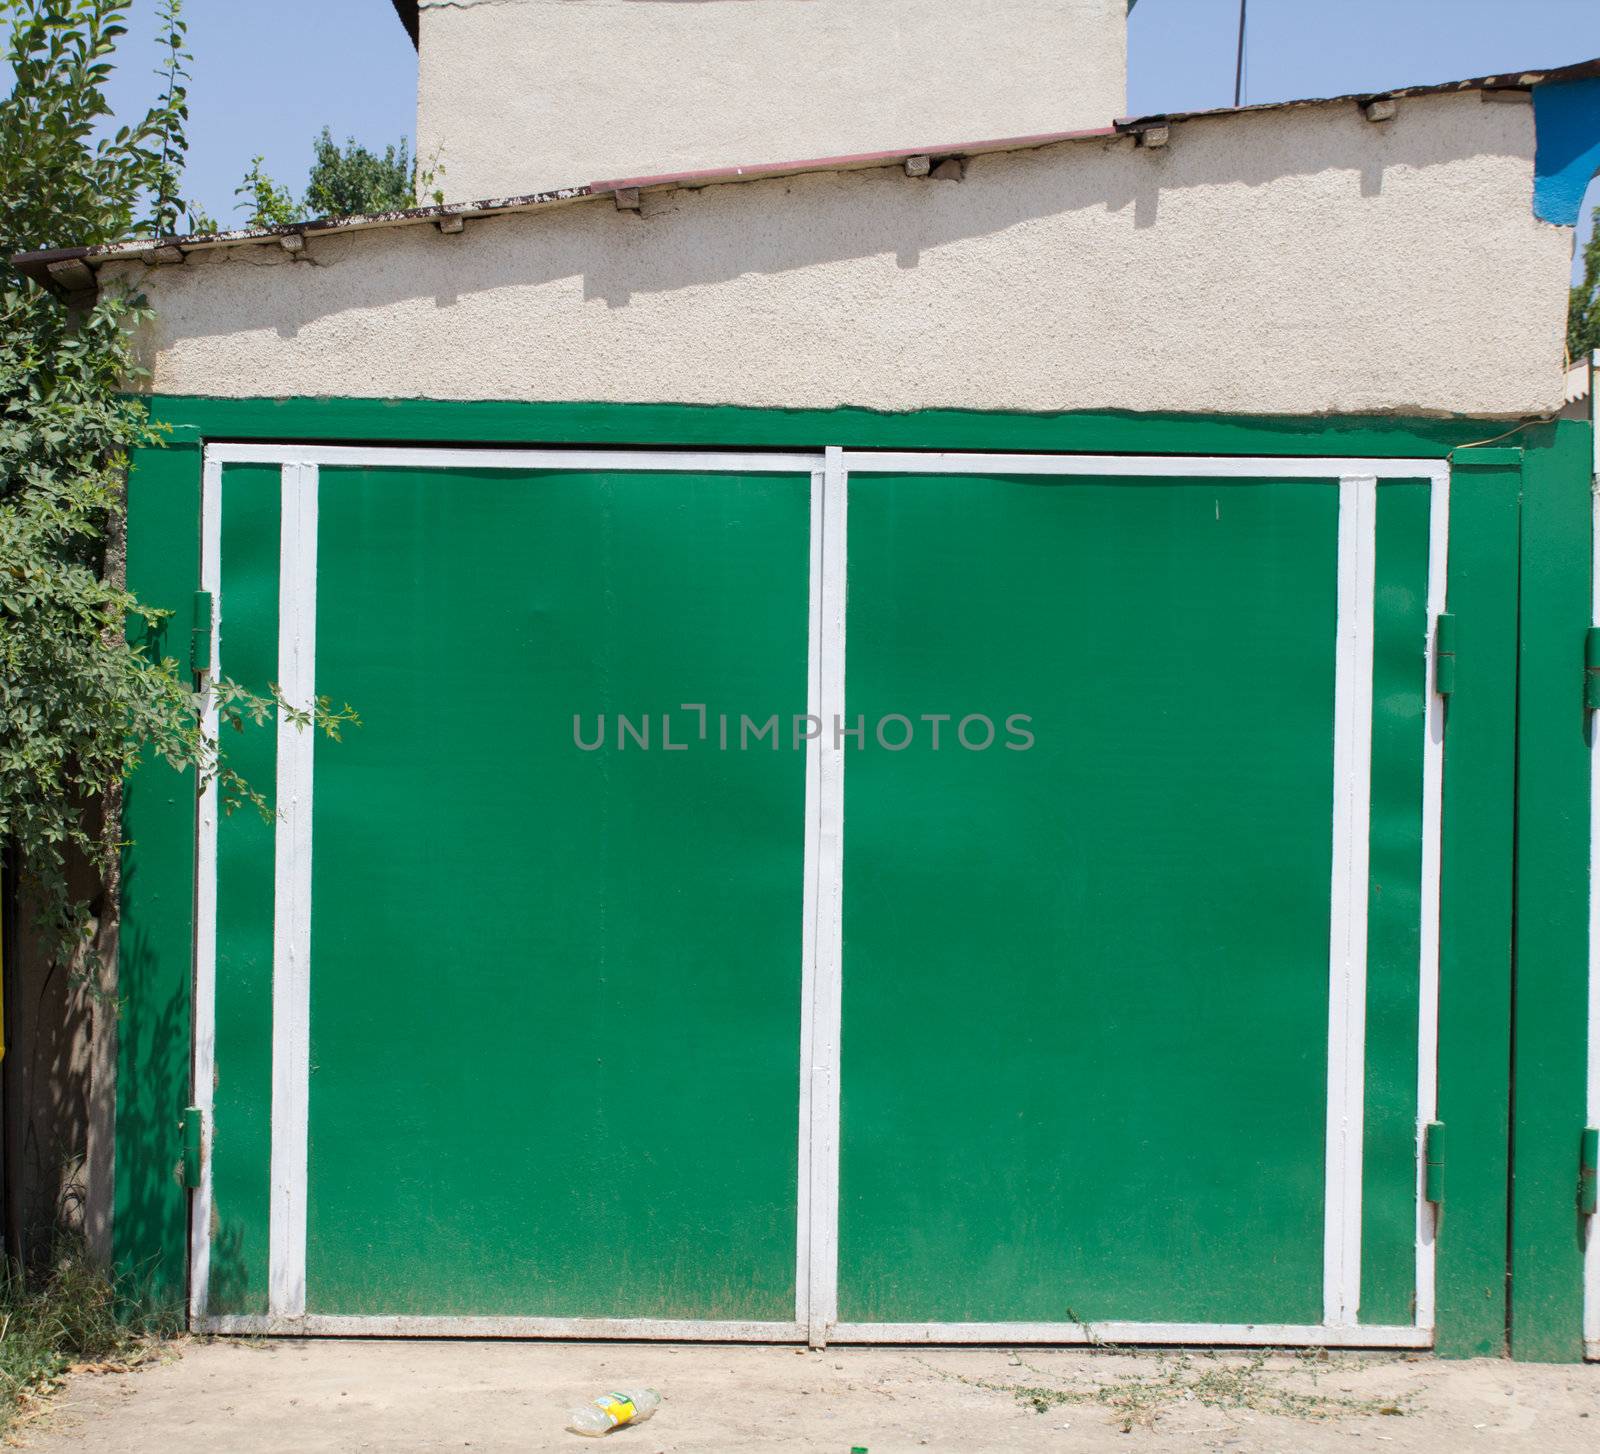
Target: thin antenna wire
x,y
1238,68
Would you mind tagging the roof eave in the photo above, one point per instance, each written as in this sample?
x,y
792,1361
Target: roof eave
x,y
70,271
58,269
1524,80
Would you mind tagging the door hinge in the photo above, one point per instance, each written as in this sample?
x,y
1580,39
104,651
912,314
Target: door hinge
x,y
1444,654
1591,668
200,634
1433,1163
1589,1171
192,1122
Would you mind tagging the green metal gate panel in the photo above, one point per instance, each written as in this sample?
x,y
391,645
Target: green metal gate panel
x,y
568,981
1086,968
1555,1111
1069,970
551,1012
1097,993
1395,907
1517,541
246,591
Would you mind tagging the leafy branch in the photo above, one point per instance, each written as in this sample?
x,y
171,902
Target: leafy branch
x,y
344,181
82,699
1583,317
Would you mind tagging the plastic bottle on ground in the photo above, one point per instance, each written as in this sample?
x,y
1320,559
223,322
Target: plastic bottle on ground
x,y
613,1410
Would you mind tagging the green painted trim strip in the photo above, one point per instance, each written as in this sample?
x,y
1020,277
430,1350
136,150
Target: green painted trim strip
x,y
495,422
1483,457
1475,912
1552,904
156,936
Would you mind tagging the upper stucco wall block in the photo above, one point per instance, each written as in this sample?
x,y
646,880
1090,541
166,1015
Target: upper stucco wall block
x,y
1288,262
521,95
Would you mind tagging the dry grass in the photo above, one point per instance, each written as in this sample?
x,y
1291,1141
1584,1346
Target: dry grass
x,y
70,1316
1262,1383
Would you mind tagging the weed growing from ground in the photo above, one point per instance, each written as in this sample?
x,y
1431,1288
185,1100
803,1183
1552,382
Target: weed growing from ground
x,y
1220,1381
70,1314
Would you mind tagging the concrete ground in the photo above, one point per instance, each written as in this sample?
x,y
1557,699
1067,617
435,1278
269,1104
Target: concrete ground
x,y
251,1397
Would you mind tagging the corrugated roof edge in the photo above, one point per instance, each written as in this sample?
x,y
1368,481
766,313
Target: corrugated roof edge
x,y
71,270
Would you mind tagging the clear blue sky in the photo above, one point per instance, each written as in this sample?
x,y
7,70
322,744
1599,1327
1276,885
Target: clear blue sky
x,y
270,73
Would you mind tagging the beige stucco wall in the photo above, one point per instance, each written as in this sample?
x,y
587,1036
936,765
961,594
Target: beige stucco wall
x,y
1280,262
515,96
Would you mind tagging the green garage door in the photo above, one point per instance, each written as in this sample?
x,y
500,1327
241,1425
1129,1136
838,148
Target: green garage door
x,y
1137,928
507,1003
856,897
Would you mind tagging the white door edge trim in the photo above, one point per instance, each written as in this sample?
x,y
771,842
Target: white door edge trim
x,y
1252,1335
642,460
674,1330
823,1074
1246,1335
1347,952
205,933
1147,466
291,939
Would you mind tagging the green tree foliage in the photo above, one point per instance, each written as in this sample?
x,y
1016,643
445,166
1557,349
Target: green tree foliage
x,y
344,181
352,179
62,186
1583,317
80,701
269,204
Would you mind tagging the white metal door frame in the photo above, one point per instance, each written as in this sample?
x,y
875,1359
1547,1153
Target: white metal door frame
x,y
816,1280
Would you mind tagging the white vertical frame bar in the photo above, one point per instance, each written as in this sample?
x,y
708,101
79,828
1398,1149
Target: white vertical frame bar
x,y
291,947
1432,844
823,1301
808,911
1591,1248
1347,958
205,930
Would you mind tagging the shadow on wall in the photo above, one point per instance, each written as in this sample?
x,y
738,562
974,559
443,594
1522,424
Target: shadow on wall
x,y
1255,176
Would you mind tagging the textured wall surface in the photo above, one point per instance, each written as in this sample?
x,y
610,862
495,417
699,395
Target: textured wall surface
x,y
522,95
1289,262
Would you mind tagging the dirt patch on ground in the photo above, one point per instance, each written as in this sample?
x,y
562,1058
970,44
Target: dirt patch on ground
x,y
309,1397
